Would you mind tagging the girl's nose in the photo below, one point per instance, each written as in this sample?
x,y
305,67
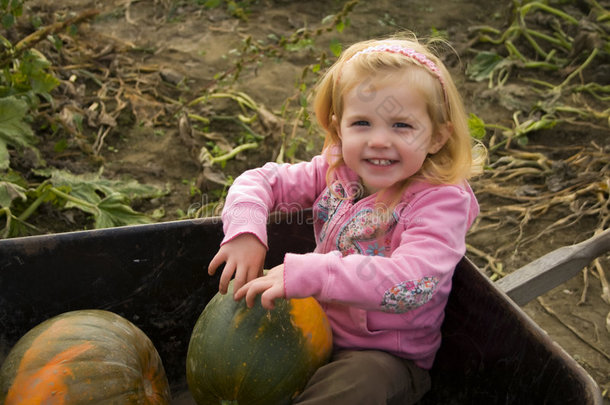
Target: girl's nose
x,y
379,139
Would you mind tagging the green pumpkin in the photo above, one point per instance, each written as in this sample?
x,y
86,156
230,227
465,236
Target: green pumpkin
x,y
250,356
84,357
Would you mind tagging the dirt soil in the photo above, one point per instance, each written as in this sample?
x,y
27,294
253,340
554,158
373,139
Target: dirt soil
x,y
175,50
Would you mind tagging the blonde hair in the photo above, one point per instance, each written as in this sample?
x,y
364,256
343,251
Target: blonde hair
x,y
454,162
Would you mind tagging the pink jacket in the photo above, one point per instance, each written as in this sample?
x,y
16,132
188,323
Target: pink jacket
x,y
383,283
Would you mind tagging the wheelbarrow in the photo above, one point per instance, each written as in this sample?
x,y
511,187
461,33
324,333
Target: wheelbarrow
x,y
155,276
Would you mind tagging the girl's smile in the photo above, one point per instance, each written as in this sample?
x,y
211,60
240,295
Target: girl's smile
x,y
380,162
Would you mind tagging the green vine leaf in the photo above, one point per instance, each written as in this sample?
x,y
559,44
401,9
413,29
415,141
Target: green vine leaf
x,y
476,126
115,211
483,65
14,130
4,156
33,75
106,200
335,47
10,192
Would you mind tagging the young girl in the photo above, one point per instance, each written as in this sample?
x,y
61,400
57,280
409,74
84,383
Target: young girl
x,y
391,210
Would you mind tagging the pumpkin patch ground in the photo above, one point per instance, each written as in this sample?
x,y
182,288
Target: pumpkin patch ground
x,y
187,94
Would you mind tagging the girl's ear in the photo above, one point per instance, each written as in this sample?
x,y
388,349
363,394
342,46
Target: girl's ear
x,y
440,138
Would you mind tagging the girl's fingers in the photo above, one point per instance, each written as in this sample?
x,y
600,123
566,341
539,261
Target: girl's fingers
x,y
269,286
268,299
257,272
242,291
225,278
244,277
241,278
262,286
255,289
216,261
250,290
239,294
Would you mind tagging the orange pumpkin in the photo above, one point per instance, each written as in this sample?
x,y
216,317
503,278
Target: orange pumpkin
x,y
84,357
254,356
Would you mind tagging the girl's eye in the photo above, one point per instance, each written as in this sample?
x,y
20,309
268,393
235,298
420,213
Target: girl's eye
x,y
403,125
361,123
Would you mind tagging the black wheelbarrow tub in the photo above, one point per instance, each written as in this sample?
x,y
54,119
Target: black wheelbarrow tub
x,y
155,276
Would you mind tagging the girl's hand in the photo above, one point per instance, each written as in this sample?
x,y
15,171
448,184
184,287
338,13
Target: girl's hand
x,y
243,255
270,286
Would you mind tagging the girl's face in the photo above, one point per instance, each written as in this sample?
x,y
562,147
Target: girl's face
x,y
386,132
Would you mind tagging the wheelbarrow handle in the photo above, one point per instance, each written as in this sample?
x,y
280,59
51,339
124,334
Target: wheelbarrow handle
x,y
553,269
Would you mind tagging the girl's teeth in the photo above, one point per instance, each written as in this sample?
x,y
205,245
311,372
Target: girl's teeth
x,y
380,162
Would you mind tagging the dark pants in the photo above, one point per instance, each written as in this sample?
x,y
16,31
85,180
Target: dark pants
x,y
367,377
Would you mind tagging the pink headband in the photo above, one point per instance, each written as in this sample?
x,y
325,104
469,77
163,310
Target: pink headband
x,y
409,53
